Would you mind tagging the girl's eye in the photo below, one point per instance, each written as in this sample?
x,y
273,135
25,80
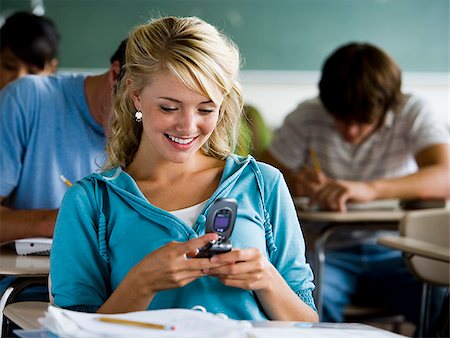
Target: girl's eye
x,y
168,109
206,111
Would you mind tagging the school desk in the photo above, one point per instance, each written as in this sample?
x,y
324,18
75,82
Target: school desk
x,y
378,215
26,315
27,270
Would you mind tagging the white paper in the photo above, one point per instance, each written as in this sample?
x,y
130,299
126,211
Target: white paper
x,y
188,324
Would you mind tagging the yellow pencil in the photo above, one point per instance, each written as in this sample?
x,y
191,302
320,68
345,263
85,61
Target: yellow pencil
x,y
65,180
315,160
135,323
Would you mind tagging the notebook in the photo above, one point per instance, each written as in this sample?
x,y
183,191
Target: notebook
x,y
33,246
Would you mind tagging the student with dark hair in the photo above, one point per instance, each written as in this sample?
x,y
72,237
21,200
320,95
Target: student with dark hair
x,y
51,126
372,142
28,45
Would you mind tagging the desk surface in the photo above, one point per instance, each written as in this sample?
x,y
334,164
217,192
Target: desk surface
x,y
274,329
375,211
352,216
26,314
23,266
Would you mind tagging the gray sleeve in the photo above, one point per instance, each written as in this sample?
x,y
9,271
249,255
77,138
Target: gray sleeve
x,y
426,129
289,144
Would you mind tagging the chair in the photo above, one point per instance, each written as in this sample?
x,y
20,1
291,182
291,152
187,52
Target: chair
x,y
425,242
374,316
24,315
9,298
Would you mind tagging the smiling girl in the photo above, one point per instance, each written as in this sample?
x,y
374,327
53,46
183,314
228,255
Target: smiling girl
x,y
128,231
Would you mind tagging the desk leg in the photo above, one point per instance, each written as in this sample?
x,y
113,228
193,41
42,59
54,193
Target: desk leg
x,y
320,269
424,311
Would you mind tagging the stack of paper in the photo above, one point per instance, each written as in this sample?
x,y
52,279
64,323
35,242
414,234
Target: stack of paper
x,y
185,324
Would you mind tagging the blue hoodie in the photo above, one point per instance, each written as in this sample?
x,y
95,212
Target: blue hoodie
x,y
106,226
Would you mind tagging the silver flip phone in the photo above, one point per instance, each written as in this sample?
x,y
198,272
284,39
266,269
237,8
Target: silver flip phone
x,y
220,219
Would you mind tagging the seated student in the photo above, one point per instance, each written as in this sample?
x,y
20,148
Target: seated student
x,y
372,142
51,126
254,134
28,45
128,232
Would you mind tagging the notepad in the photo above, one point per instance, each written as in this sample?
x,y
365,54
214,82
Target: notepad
x,y
33,246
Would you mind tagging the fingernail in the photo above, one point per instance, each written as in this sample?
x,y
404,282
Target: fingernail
x,y
213,259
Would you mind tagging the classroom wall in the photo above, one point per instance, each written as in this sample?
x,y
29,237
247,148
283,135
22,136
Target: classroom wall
x,y
283,42
278,93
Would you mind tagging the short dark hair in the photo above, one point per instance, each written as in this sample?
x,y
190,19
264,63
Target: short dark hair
x,y
119,54
33,39
359,83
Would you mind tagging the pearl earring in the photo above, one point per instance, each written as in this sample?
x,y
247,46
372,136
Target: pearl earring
x,y
138,116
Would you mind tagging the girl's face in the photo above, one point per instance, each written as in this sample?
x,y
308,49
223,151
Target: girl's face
x,y
176,120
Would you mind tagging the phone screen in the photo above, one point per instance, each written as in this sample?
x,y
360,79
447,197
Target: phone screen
x,y
222,220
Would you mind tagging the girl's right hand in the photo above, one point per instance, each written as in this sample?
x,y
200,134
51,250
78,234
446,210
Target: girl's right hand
x,y
169,266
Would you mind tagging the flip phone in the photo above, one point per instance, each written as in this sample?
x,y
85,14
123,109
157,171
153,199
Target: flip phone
x,y
220,219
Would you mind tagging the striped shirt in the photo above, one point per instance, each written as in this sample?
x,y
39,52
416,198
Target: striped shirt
x,y
388,152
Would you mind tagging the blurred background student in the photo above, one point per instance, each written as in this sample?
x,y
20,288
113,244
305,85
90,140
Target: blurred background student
x,y
28,45
64,117
372,142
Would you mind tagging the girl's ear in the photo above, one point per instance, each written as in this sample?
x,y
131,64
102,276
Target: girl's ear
x,y
135,97
136,101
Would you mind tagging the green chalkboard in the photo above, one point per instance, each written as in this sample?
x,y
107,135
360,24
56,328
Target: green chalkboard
x,y
271,34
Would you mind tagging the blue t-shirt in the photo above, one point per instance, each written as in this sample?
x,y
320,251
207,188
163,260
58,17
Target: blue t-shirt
x,y
47,130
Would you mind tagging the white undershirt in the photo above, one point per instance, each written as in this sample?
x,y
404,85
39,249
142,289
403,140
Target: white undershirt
x,y
189,215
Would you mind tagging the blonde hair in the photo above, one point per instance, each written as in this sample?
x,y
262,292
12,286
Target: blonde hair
x,y
201,57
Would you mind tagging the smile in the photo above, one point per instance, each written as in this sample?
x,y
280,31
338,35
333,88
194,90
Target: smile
x,y
180,140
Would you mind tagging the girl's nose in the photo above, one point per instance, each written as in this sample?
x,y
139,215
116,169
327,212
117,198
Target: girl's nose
x,y
186,122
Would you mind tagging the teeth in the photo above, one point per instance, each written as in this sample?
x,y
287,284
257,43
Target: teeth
x,y
180,140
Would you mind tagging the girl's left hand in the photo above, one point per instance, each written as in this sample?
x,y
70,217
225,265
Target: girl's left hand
x,y
243,268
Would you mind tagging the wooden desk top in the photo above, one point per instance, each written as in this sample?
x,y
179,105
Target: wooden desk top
x,y
352,216
26,314
417,247
23,266
375,211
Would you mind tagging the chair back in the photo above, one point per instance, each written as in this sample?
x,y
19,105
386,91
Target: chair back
x,y
432,226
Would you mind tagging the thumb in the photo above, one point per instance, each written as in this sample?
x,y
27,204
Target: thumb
x,y
192,245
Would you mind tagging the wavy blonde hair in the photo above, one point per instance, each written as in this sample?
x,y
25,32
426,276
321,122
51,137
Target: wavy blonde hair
x,y
201,57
